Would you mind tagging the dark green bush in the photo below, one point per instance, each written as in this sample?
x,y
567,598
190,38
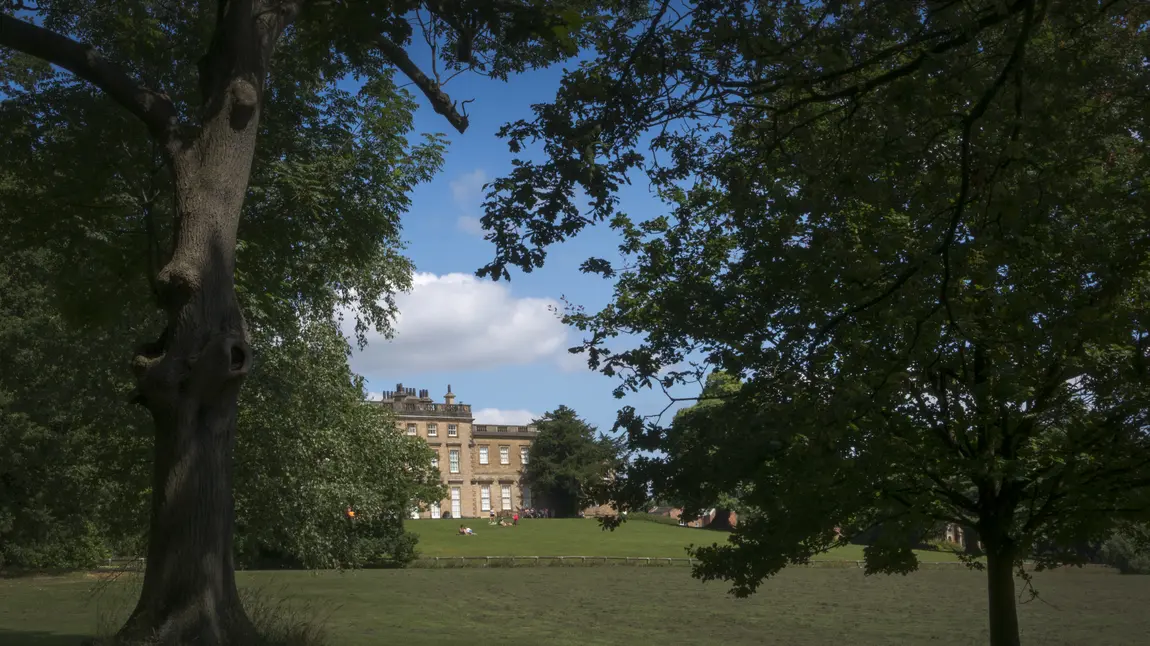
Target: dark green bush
x,y
654,518
1128,551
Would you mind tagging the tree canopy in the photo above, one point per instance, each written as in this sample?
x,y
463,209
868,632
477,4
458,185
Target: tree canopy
x,y
73,468
204,166
309,448
568,462
917,232
74,455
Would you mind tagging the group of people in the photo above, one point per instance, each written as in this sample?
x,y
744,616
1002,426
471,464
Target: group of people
x,y
503,522
529,512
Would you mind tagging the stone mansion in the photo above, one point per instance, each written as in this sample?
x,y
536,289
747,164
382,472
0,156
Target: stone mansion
x,y
481,463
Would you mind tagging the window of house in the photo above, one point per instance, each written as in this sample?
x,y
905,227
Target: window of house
x,y
411,429
453,460
485,498
433,430
435,461
505,455
452,430
483,455
526,491
523,450
505,495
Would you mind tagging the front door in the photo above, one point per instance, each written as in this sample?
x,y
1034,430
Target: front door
x,y
456,503
435,510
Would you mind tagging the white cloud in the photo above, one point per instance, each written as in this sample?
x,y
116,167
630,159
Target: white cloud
x,y
374,396
498,416
467,189
459,322
467,193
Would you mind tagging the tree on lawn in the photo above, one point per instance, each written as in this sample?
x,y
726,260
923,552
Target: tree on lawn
x,y
688,438
197,77
916,231
568,462
309,448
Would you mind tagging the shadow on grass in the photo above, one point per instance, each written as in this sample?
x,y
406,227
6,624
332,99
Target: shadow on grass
x,y
38,638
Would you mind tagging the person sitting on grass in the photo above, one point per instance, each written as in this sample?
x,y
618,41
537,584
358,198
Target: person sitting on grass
x,y
465,531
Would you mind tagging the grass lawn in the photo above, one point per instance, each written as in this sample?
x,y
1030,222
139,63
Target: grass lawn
x,y
581,537
625,605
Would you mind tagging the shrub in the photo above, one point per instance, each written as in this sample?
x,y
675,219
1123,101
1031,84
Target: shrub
x,y
943,545
1127,550
654,518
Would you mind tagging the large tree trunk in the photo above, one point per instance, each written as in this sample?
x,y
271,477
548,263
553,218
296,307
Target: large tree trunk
x,y
1002,601
190,382
190,378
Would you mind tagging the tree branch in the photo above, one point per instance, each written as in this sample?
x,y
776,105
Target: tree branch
x,y
964,36
154,108
432,90
968,122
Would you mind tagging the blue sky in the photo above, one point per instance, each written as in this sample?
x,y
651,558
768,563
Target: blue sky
x,y
497,344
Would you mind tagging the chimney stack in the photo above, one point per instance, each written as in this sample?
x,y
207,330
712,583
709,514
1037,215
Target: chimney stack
x,y
449,398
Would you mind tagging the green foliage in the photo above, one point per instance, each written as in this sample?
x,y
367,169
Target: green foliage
x,y
916,232
113,212
1128,550
72,471
689,437
308,448
88,216
73,454
568,462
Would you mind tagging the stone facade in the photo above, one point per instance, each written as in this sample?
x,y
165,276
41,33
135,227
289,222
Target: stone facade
x,y
482,464
955,534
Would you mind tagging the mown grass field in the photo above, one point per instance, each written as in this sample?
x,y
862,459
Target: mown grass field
x,y
624,605
582,537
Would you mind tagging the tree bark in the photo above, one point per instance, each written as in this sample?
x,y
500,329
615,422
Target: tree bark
x,y
1003,608
190,382
190,379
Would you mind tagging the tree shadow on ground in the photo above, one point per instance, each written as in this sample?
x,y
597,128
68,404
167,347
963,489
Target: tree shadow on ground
x,y
39,638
